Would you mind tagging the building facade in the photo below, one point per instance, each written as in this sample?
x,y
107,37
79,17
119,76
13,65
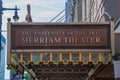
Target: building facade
x,y
79,10
69,7
97,11
93,10
100,11
2,58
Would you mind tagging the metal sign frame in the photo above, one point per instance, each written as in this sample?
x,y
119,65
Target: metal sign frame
x,y
60,36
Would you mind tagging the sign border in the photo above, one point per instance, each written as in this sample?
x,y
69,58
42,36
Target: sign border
x,y
60,26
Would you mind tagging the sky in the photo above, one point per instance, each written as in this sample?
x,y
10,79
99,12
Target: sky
x,y
41,11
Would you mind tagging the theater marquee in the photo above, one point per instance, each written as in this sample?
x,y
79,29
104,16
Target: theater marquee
x,y
56,42
60,36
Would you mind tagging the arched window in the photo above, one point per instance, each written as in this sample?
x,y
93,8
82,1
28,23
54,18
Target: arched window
x,y
105,17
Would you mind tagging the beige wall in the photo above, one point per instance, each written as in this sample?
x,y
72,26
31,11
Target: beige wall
x,y
97,10
81,11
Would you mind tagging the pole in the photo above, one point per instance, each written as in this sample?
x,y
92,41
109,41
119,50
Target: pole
x,y
0,24
1,12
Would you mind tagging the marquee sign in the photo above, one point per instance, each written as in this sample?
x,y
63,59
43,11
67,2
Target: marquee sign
x,y
60,36
55,42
